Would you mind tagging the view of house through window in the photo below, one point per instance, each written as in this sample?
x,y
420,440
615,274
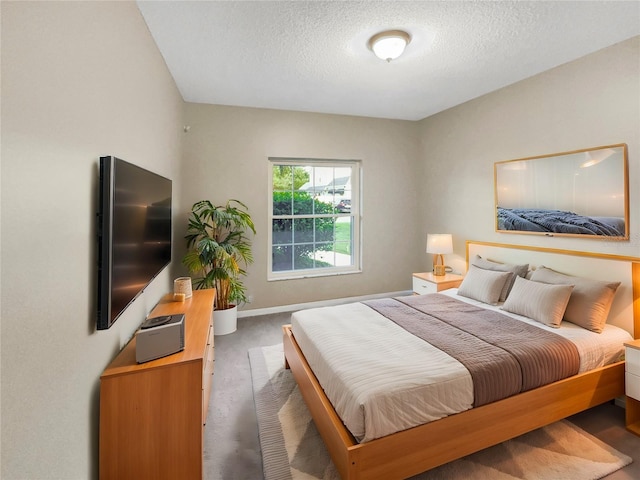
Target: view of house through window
x,y
314,217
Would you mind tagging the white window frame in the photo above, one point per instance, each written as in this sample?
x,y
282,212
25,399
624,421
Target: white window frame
x,y
355,214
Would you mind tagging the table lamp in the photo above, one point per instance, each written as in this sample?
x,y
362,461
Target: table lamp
x,y
439,244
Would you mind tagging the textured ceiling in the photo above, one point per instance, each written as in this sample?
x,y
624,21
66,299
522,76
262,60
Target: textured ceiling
x,y
313,55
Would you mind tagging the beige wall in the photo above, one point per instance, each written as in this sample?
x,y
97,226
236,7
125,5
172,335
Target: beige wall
x,y
226,156
592,101
79,80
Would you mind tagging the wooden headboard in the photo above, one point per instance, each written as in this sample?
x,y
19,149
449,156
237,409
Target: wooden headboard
x,y
625,311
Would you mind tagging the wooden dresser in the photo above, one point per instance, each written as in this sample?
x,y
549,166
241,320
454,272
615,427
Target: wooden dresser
x,y
152,414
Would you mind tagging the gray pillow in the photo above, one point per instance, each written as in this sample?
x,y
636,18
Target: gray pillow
x,y
483,285
519,270
542,302
590,300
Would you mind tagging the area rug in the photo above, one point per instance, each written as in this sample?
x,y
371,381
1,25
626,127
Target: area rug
x,y
293,450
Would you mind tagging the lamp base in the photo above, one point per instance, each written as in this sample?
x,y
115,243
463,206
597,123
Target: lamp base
x,y
439,270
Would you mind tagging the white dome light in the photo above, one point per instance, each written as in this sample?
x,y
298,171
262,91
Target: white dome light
x,y
389,45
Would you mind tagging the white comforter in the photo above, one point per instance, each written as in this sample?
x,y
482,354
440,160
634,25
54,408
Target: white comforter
x,y
382,379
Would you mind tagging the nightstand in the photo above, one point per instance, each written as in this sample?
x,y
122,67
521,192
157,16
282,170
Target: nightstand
x,y
632,385
429,283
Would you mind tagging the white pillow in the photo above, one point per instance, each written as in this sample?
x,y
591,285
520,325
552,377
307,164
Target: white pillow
x,y
590,300
483,285
486,264
542,302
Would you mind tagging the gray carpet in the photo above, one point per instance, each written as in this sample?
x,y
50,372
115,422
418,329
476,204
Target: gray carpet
x,y
292,448
231,443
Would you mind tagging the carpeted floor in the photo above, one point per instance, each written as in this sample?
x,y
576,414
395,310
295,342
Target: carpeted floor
x,y
232,449
292,448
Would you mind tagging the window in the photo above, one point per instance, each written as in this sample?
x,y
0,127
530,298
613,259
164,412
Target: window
x,y
314,215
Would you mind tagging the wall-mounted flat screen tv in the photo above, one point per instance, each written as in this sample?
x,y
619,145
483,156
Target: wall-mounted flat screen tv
x,y
134,234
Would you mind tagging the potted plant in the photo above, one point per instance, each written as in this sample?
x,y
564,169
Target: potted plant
x,y
217,250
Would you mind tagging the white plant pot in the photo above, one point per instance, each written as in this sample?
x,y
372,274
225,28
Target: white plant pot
x,y
225,321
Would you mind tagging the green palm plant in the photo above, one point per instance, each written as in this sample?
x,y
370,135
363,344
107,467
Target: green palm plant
x,y
218,249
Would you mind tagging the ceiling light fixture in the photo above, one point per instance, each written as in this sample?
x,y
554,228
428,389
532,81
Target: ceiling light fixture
x,y
390,44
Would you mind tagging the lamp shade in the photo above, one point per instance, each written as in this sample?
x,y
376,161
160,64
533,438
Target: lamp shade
x,y
439,243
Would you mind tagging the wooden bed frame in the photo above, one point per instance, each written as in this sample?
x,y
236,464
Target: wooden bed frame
x,y
409,452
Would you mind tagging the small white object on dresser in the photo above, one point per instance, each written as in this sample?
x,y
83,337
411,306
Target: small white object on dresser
x,y
632,386
430,283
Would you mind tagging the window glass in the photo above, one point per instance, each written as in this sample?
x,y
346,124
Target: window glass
x,y
314,217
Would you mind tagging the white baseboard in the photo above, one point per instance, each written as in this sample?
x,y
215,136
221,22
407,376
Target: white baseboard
x,y
322,303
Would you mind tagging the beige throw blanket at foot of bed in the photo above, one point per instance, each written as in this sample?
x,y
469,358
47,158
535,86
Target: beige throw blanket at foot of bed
x,y
504,356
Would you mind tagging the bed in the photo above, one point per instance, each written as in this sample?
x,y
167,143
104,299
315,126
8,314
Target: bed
x,y
467,428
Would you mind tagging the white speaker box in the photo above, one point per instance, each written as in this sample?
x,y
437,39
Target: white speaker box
x,y
159,337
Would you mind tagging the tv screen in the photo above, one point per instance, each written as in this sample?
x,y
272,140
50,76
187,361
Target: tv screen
x,y
134,234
